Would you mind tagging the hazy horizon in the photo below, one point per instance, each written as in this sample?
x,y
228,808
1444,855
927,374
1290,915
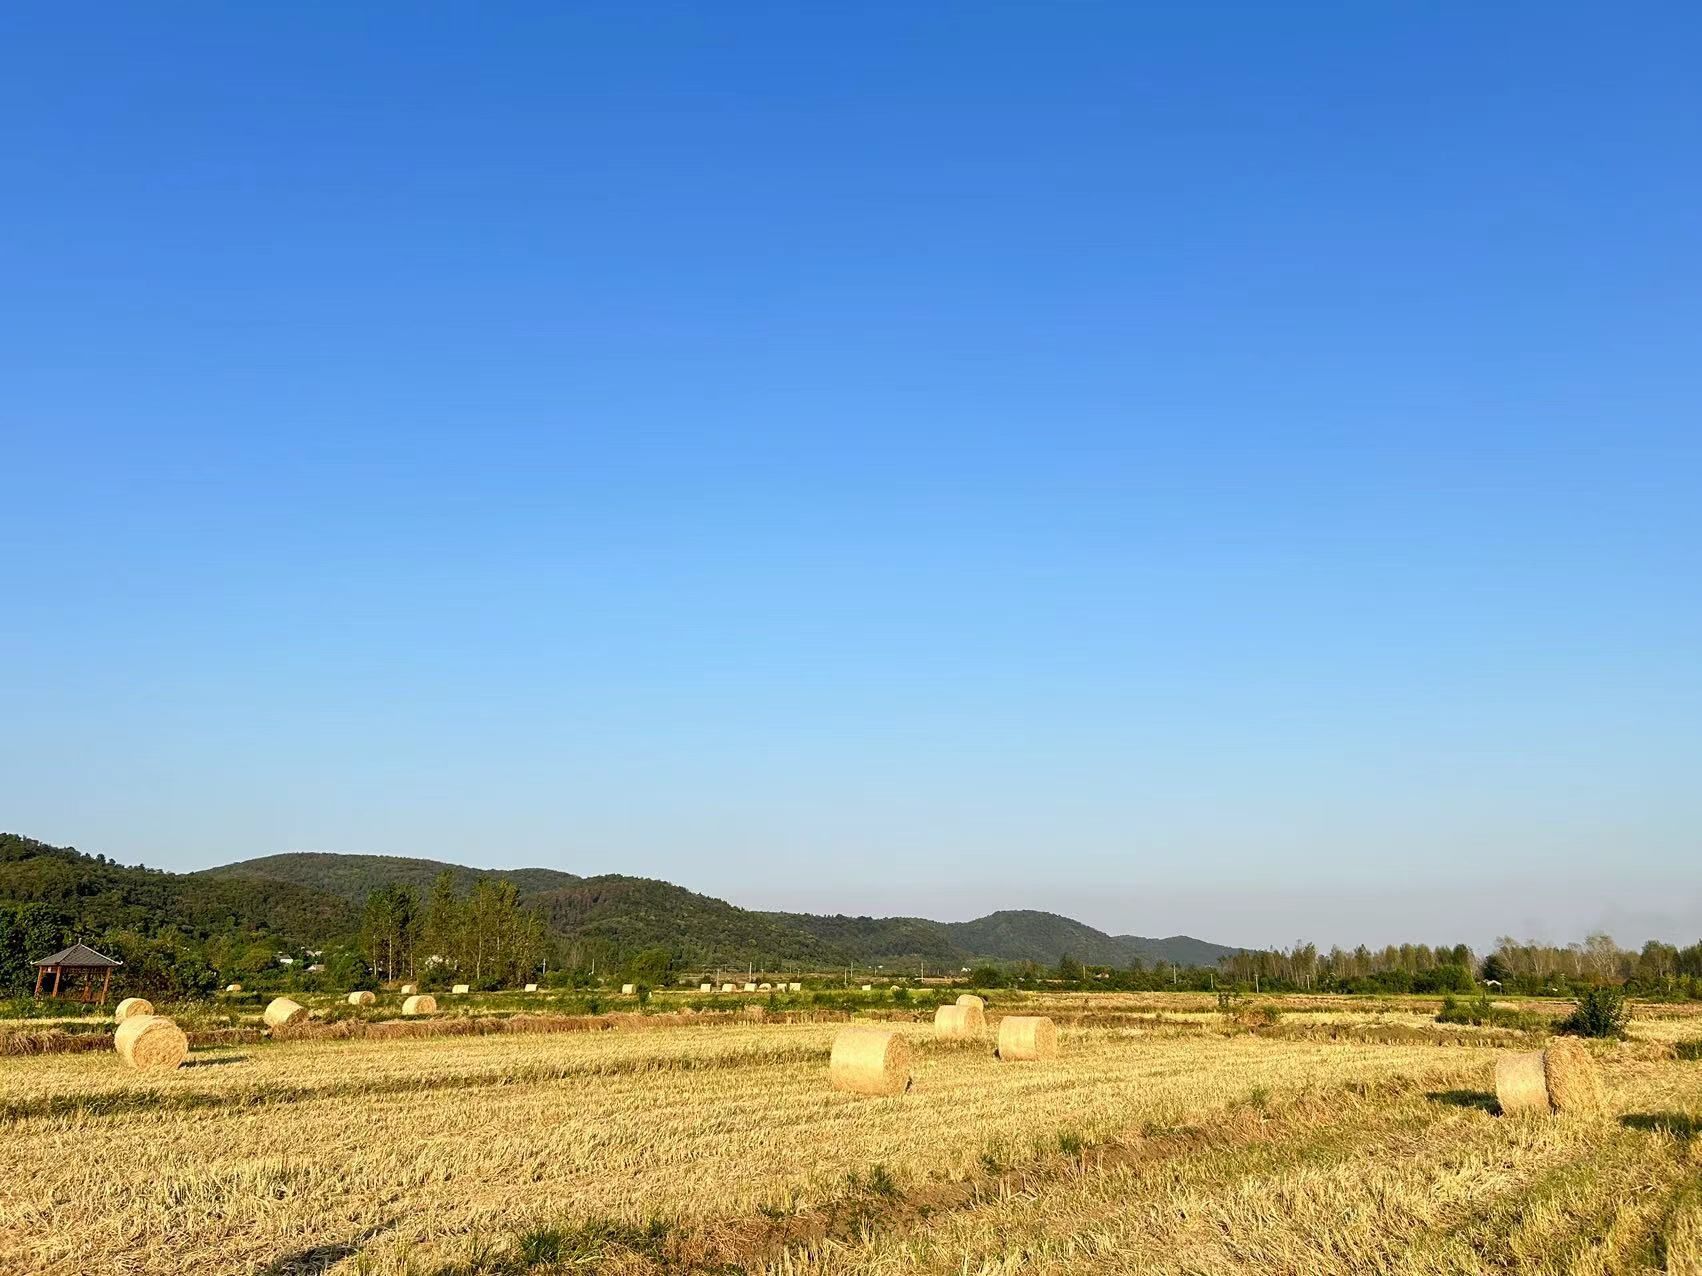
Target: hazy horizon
x,y
1224,474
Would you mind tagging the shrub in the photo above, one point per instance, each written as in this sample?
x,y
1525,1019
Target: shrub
x,y
1601,1013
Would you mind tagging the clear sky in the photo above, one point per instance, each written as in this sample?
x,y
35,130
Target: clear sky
x,y
1223,469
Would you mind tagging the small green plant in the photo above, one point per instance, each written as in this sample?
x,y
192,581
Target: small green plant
x,y
1070,1142
1259,1098
1602,1013
880,1181
541,1246
1691,1050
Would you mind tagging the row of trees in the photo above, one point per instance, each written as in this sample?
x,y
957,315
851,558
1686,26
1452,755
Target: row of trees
x,y
485,936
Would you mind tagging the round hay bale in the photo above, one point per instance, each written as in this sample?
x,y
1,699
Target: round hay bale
x,y
765,987
361,998
408,990
1574,1085
868,987
794,987
531,988
628,990
233,987
1520,1083
727,988
959,1023
132,1006
461,990
420,1004
1027,1037
869,1061
151,1043
706,987
970,999
281,1012
750,987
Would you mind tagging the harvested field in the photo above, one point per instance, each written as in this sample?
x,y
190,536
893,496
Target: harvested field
x,y
724,1148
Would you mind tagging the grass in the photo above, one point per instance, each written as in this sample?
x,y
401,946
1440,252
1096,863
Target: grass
x,y
1181,1144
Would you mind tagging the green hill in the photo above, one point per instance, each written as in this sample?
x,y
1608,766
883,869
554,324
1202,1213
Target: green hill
x,y
249,910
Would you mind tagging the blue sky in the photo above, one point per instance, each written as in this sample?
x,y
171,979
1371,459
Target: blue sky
x,y
1229,470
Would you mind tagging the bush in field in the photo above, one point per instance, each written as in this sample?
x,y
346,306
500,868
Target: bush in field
x,y
1483,1013
1601,1013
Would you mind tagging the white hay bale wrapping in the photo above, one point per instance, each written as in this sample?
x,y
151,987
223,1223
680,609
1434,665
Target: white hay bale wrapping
x,y
765,987
706,987
960,1023
420,1004
408,990
1027,1037
628,990
281,1012
794,987
461,990
132,1006
151,1043
531,988
870,1061
868,987
728,988
750,987
970,999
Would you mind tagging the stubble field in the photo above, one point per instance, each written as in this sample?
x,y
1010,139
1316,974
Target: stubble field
x,y
1336,1137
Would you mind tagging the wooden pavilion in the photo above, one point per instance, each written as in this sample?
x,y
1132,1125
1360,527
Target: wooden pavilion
x,y
82,963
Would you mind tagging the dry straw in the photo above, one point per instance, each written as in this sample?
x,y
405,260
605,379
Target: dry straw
x,y
151,1043
1027,1037
283,1012
959,1023
1520,1085
870,1061
131,1007
361,998
1574,1086
420,1004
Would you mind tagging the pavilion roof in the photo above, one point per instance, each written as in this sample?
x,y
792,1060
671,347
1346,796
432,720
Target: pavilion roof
x,y
79,955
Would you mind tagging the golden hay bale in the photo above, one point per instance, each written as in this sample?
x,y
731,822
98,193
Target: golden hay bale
x,y
420,1004
1574,1085
132,1006
461,990
282,1012
959,1023
150,1043
361,998
233,987
970,999
627,990
870,1061
1027,1037
1520,1083
531,988
408,990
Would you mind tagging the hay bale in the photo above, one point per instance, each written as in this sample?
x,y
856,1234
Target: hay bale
x,y
461,990
628,990
869,1061
868,987
1026,1037
794,987
151,1043
420,1004
959,1023
727,988
750,987
408,990
531,988
1574,1085
233,987
282,1012
706,987
361,998
765,987
970,999
132,1006
1521,1084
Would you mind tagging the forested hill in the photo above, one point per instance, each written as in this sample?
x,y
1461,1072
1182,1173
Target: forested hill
x,y
52,895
